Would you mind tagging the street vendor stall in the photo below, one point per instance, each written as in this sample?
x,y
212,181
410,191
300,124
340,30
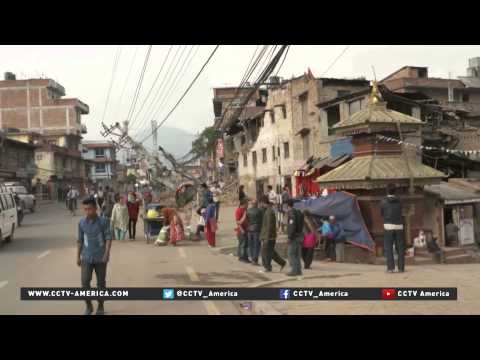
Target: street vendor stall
x,y
152,225
305,177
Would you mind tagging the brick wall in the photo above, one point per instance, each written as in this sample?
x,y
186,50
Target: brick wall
x,y
54,117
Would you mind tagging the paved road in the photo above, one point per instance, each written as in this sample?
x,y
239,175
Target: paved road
x,y
43,253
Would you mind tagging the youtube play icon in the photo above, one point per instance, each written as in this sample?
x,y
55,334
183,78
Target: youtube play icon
x,y
389,294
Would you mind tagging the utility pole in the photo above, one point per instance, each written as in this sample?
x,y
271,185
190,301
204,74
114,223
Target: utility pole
x,y
155,137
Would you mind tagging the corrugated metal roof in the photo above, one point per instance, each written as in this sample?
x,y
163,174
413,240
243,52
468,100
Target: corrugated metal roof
x,y
452,194
366,168
377,113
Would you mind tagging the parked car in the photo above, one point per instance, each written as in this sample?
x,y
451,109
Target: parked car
x,y
8,215
27,200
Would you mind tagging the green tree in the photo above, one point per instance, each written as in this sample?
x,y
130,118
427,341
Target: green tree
x,y
131,179
205,143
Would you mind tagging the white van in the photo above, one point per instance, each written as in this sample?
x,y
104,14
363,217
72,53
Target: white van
x,y
8,214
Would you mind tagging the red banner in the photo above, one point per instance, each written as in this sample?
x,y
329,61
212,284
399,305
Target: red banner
x,y
220,148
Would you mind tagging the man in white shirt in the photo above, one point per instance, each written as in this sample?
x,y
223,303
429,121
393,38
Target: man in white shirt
x,y
273,198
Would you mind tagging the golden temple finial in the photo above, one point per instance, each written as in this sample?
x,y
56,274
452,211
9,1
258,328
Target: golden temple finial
x,y
375,96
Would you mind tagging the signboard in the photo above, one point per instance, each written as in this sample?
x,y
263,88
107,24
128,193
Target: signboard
x,y
220,148
467,234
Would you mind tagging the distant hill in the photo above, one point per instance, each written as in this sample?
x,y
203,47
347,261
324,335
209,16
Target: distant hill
x,y
176,141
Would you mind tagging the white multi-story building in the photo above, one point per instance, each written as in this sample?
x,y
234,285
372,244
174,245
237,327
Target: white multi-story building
x,y
102,154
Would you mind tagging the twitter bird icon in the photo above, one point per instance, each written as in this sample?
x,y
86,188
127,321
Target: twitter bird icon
x,y
168,294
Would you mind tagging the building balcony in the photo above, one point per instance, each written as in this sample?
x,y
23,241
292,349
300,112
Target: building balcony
x,y
83,129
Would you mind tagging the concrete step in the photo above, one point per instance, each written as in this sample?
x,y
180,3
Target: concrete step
x,y
461,259
453,251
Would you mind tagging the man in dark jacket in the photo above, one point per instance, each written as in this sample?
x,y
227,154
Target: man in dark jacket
x,y
268,237
254,217
295,238
207,196
391,210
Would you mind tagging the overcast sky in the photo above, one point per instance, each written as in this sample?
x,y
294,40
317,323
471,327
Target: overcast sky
x,y
86,72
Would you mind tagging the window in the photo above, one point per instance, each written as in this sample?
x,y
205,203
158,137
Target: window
x,y
264,155
236,103
284,111
39,157
10,201
52,142
99,152
286,150
304,104
273,116
254,158
422,73
3,202
355,106
243,139
261,122
465,97
274,157
278,151
100,168
333,117
79,121
306,146
245,160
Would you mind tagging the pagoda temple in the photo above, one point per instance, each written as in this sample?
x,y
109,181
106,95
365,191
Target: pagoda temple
x,y
376,163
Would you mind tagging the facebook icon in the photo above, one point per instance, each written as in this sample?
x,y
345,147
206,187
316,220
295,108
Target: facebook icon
x,y
284,294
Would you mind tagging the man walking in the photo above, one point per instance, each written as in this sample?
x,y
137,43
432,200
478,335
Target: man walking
x,y
391,211
207,196
338,239
216,192
268,237
109,202
242,226
295,238
254,218
93,250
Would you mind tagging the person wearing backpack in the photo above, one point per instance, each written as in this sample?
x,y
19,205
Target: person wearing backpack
x,y
295,238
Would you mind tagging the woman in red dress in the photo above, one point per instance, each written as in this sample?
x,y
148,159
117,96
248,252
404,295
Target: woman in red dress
x,y
174,220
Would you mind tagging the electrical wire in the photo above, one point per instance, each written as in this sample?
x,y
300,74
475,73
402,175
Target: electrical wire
x,y
171,91
185,93
126,82
246,77
335,61
176,82
154,82
161,86
139,84
261,79
115,64
284,57
267,60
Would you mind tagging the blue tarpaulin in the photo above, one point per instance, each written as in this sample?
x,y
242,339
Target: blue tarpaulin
x,y
344,207
341,147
